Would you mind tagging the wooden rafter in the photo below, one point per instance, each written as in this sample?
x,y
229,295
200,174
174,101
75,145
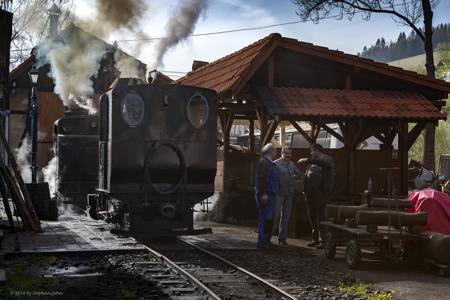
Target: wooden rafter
x,y
302,132
270,131
414,134
333,133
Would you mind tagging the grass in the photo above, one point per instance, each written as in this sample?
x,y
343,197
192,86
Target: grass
x,y
356,289
126,293
19,283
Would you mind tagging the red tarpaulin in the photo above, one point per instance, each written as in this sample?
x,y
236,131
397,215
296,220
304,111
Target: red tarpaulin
x,y
437,205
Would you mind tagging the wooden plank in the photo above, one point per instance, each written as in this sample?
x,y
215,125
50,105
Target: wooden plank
x,y
34,220
5,198
302,132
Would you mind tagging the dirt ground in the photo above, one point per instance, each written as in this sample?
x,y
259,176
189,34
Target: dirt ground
x,y
408,283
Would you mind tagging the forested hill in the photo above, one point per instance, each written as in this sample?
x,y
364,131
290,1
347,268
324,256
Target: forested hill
x,y
405,46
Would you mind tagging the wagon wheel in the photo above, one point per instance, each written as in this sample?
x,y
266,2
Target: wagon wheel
x,y
353,254
330,245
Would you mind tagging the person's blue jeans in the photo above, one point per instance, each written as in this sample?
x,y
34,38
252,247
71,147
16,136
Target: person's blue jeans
x,y
282,212
265,220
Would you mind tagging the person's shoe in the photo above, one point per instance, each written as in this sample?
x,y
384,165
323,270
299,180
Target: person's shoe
x,y
282,243
320,246
313,244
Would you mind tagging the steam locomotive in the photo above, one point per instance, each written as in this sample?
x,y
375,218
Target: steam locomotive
x,y
155,156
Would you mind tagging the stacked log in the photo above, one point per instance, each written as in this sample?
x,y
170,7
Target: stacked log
x,y
384,202
340,213
437,247
397,219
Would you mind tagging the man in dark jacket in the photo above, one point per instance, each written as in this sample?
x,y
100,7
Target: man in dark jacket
x,y
267,185
319,184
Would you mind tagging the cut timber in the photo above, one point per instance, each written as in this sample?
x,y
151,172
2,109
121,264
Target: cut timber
x,y
17,186
339,213
436,246
384,202
397,218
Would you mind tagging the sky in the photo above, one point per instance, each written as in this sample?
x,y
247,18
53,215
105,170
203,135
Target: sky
x,y
220,15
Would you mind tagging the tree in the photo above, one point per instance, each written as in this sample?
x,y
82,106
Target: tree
x,y
405,12
30,21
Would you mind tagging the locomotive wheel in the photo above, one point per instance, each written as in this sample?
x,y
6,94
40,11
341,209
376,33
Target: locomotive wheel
x,y
353,254
330,245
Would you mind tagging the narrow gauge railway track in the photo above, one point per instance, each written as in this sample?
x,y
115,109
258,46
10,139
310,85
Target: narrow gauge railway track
x,y
217,277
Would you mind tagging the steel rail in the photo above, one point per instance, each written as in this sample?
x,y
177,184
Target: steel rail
x,y
265,282
184,273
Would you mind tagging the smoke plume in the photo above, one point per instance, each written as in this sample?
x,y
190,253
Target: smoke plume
x,y
24,160
180,25
74,57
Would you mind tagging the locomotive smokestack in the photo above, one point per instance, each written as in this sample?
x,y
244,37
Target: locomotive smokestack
x,y
180,25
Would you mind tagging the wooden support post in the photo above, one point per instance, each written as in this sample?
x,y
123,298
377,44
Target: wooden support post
x,y
352,171
282,135
228,122
315,129
403,156
252,136
262,117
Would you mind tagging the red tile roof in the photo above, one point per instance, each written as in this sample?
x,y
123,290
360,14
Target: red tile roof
x,y
226,73
303,102
221,75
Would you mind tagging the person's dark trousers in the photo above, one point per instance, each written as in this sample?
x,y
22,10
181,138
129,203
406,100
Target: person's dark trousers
x,y
265,222
316,201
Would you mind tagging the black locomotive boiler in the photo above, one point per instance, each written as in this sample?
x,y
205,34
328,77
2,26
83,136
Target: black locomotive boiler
x,y
157,155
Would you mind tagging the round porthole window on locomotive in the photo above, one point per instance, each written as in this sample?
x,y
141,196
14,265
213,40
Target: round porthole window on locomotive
x,y
132,109
197,110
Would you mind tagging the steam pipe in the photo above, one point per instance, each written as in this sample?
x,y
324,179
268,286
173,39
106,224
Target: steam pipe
x,y
34,113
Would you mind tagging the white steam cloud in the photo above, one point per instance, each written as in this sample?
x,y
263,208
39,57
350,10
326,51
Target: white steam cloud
x,y
180,25
24,160
74,57
50,174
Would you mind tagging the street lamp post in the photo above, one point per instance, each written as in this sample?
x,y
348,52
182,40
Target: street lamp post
x,y
34,113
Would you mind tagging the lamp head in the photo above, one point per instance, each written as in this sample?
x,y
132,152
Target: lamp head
x,y
34,74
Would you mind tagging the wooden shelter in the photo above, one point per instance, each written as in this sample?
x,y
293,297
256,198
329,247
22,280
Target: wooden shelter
x,y
279,80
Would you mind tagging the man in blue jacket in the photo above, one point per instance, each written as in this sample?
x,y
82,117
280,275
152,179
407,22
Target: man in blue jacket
x,y
267,185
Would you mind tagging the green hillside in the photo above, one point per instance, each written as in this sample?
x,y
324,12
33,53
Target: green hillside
x,y
416,63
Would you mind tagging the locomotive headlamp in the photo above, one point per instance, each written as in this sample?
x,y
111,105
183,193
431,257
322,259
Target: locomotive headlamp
x,y
197,110
132,109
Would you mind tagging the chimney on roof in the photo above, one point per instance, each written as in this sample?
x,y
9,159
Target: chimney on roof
x,y
198,63
54,12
